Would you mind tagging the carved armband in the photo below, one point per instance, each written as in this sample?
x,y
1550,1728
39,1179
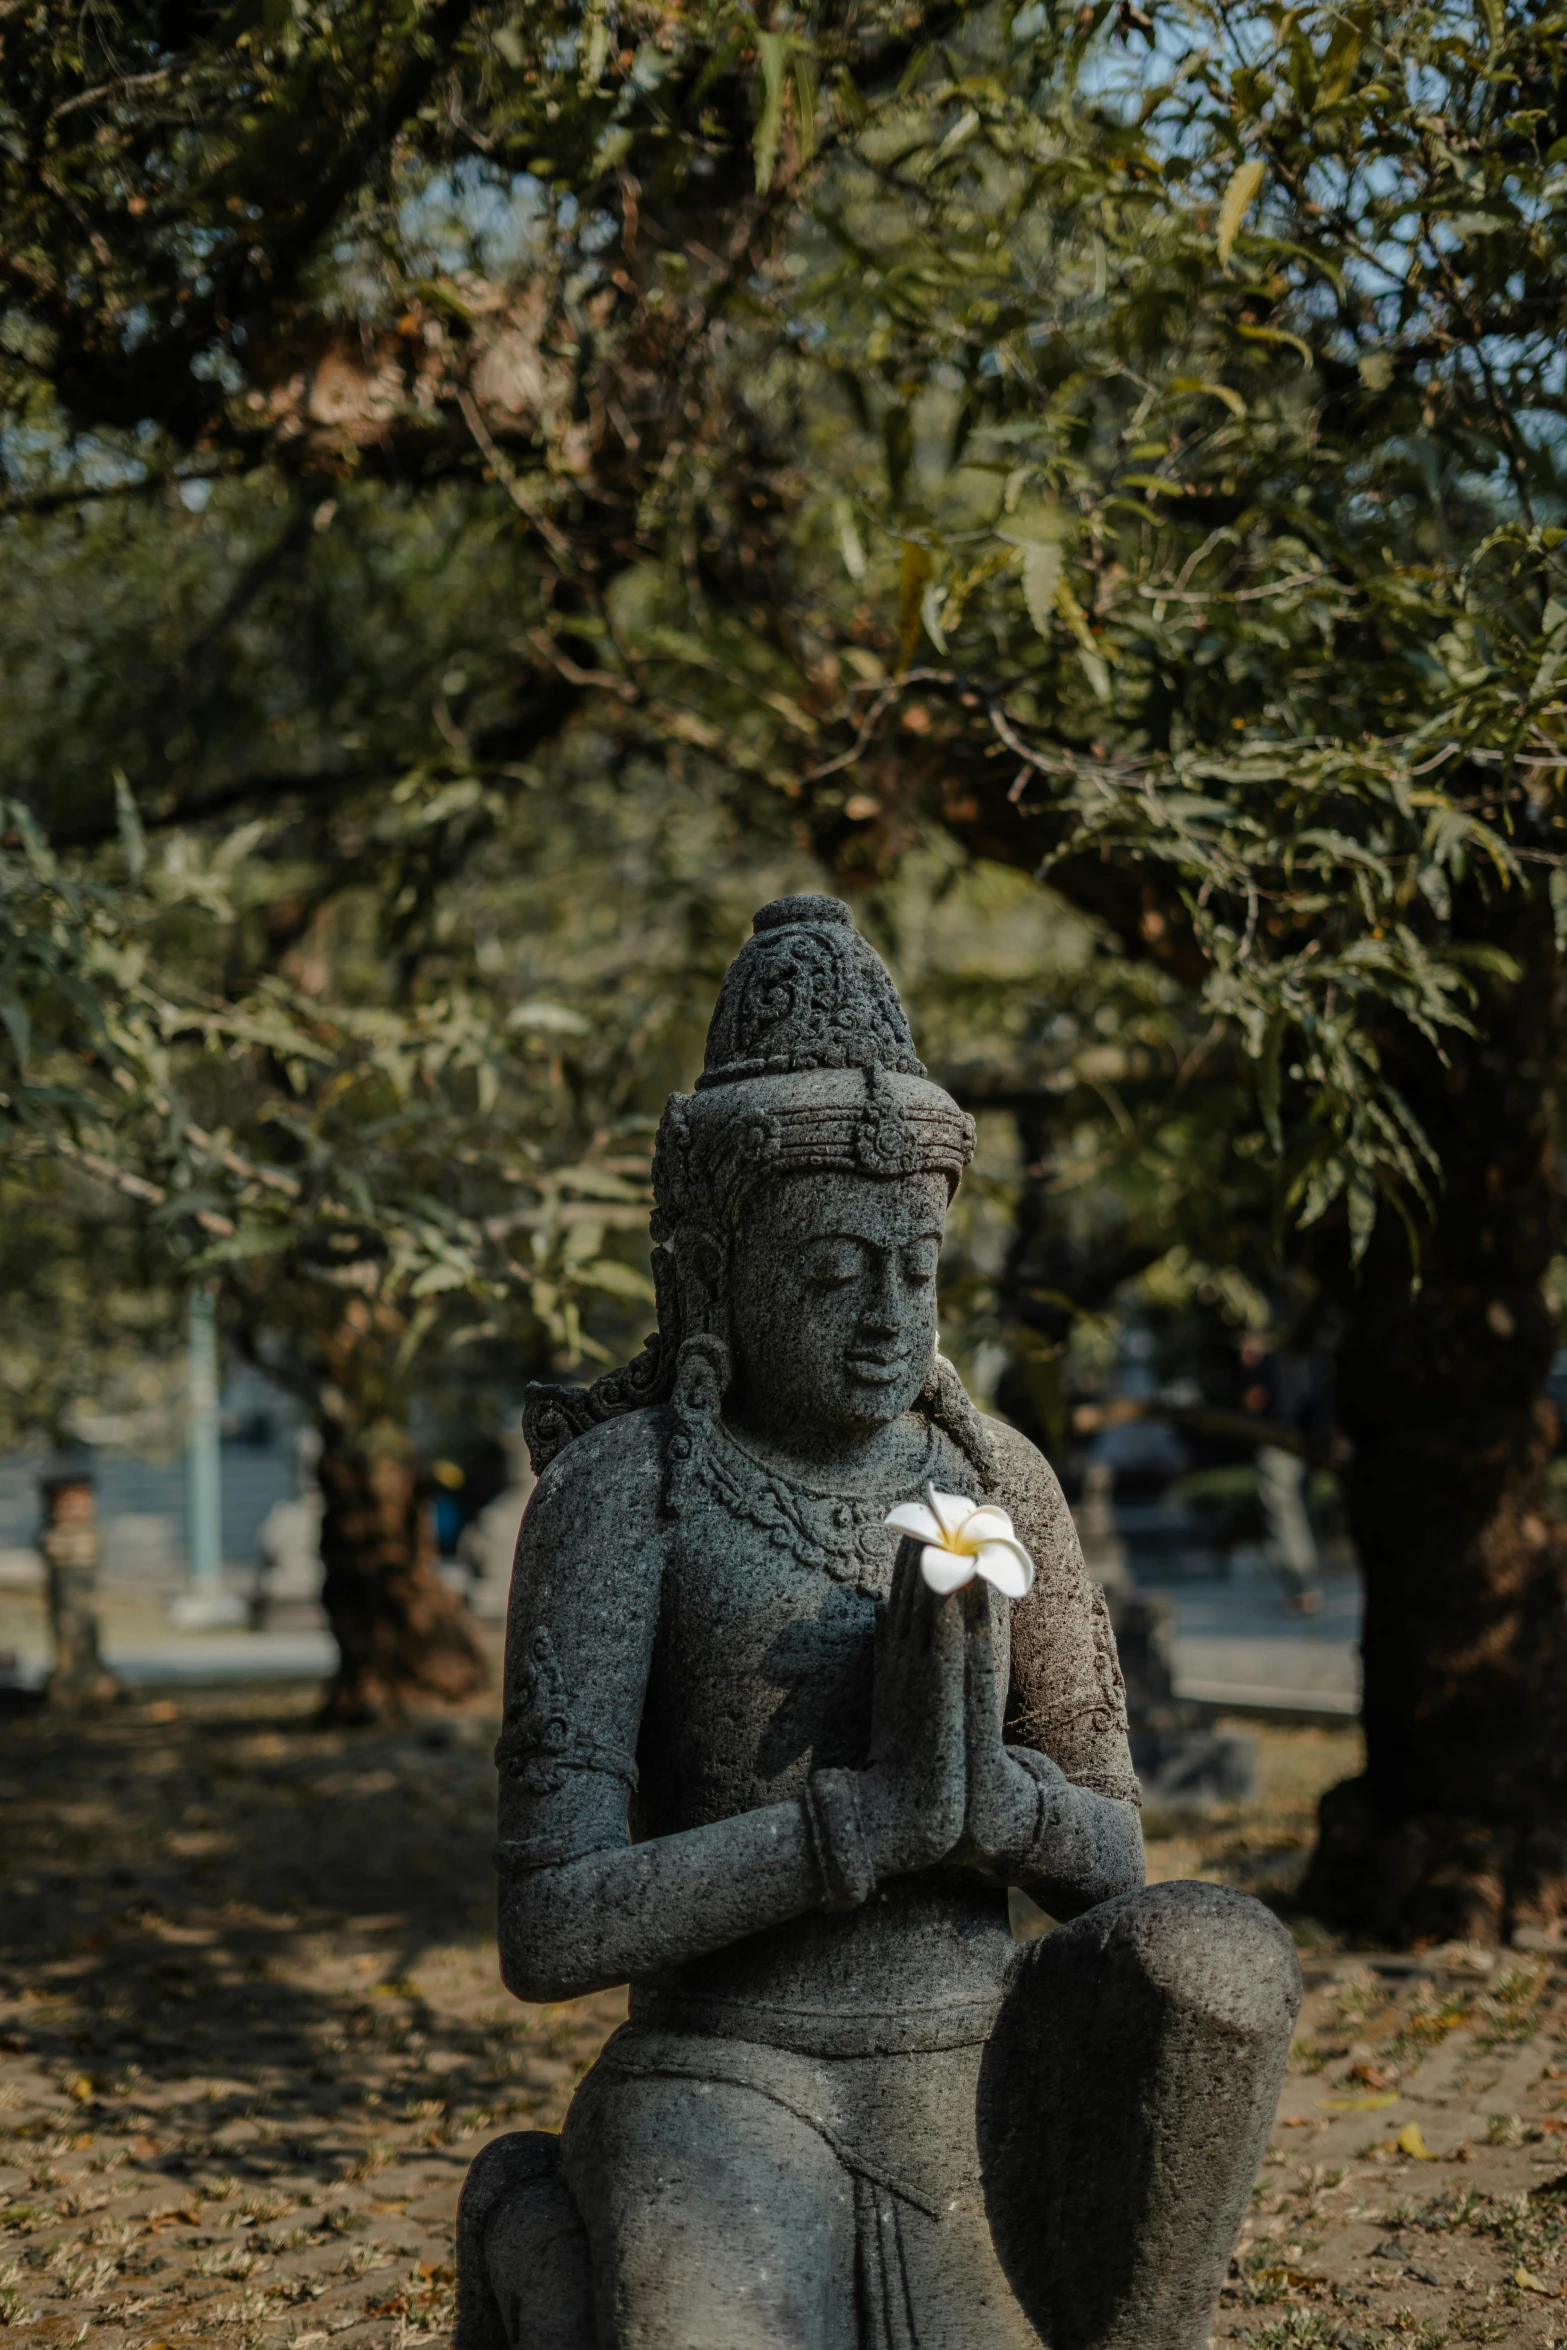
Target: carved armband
x,y
554,1770
843,1858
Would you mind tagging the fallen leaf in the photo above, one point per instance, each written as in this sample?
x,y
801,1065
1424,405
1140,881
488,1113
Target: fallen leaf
x,y
1358,2104
1409,2141
1527,2282
183,2217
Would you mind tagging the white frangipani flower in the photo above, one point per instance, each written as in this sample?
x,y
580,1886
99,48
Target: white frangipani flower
x,y
963,1539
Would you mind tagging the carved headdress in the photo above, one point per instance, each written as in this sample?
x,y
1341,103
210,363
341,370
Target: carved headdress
x,y
809,1065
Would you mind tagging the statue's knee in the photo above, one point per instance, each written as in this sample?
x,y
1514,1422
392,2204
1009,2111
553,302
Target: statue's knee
x,y
522,2260
1208,1949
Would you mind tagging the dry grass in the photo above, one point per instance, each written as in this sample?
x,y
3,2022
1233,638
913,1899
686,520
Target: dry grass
x,y
251,2035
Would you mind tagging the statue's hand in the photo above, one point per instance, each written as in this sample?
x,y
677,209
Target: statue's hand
x,y
1002,1818
912,1794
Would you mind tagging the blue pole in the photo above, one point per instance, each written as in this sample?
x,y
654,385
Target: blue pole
x,y
203,1470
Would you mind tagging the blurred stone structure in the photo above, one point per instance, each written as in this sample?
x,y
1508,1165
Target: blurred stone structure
x,y
70,1545
1181,1760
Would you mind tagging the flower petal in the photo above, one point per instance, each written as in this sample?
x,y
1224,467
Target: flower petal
x,y
1008,1566
988,1524
951,1510
944,1571
912,1517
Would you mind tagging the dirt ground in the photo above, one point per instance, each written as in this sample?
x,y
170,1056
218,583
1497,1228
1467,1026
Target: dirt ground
x,y
251,2035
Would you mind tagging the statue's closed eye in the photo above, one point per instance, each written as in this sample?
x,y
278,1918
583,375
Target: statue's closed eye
x,y
832,1264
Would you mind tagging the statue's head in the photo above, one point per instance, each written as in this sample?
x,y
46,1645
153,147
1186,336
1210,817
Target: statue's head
x,y
802,1188
800,1194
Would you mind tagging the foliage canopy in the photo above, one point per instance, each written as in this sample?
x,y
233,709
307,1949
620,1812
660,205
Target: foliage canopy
x,y
1128,437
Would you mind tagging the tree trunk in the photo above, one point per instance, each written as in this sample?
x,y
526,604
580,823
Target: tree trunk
x,y
401,1635
1458,1827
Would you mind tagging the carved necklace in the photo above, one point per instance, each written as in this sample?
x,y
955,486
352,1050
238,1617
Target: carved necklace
x,y
843,1533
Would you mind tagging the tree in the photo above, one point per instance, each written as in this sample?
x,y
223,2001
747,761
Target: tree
x,y
1129,438
396,1134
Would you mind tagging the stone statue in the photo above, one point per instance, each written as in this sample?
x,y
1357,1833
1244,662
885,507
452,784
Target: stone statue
x,y
755,1766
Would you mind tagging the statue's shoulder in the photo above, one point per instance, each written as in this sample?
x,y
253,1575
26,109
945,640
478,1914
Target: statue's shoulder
x,y
608,1479
1029,1490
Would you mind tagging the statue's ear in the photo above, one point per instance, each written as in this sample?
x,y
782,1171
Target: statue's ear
x,y
708,1263
700,1266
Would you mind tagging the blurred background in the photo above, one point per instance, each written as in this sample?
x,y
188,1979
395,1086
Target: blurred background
x,y
1185,1398
489,499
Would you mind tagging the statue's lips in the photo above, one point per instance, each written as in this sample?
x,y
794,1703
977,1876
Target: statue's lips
x,y
878,1370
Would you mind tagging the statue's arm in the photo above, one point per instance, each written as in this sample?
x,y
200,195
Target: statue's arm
x,y
582,1924
581,1907
1074,1828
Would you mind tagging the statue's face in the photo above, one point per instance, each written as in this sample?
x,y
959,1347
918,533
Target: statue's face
x,y
833,1301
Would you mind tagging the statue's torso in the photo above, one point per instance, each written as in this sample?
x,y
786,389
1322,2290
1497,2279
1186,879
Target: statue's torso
x,y
695,1632
760,1673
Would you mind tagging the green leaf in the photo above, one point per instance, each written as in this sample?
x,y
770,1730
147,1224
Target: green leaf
x,y
914,569
772,48
17,1024
133,840
616,1280
805,101
1041,578
1245,180
1558,891
897,432
1343,55
595,47
1215,390
850,543
1268,1082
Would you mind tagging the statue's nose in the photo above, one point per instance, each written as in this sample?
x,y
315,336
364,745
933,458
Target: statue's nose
x,y
881,1307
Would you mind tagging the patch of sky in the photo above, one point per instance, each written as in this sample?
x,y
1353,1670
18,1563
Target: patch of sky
x,y
45,459
598,232
648,68
217,365
474,217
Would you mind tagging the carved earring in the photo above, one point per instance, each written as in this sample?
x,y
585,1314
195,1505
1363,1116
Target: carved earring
x,y
702,1372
